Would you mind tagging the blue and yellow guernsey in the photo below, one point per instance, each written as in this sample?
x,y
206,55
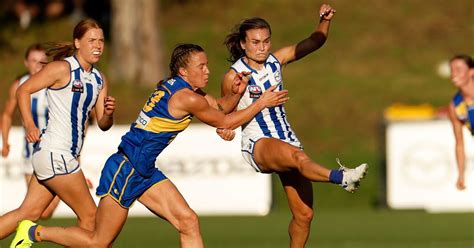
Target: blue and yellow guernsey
x,y
154,128
464,111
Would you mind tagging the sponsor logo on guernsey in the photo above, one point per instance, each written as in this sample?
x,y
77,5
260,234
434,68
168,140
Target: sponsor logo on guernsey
x,y
277,76
171,81
77,86
87,77
255,91
263,77
142,120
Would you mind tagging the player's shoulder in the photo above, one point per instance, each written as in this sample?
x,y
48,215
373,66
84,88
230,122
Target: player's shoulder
x,y
59,66
189,98
230,74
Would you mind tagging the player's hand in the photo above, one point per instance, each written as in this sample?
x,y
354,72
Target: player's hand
x,y
239,84
460,183
226,134
270,98
32,134
5,150
326,12
109,105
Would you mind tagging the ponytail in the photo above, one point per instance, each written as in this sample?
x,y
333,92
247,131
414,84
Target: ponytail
x,y
60,50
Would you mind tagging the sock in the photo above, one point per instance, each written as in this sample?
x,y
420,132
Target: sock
x,y
33,233
335,176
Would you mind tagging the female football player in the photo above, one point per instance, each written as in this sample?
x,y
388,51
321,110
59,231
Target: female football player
x,y
74,86
461,108
130,174
268,142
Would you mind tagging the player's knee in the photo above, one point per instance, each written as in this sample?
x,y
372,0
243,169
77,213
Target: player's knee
x,y
300,158
303,216
87,219
188,222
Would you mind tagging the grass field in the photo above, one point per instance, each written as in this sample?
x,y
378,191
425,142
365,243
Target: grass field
x,y
351,228
379,52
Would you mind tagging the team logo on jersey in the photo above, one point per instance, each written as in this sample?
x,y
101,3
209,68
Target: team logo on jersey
x,y
277,76
255,91
77,86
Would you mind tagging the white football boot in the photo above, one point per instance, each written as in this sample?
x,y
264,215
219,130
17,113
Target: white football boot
x,y
351,177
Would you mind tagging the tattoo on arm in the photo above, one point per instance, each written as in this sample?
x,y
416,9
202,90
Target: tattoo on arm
x,y
220,107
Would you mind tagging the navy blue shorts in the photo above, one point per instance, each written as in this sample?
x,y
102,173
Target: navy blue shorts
x,y
123,183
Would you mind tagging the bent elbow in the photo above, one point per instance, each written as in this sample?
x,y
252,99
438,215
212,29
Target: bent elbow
x,y
104,127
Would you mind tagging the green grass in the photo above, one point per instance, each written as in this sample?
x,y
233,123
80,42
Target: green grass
x,y
378,53
352,228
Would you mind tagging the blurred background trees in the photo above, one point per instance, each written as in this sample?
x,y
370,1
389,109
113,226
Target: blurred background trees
x,y
135,35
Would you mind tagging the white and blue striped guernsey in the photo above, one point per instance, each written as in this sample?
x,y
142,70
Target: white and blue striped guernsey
x,y
270,122
39,110
69,109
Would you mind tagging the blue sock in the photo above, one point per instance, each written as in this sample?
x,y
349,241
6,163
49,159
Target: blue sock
x,y
335,176
31,233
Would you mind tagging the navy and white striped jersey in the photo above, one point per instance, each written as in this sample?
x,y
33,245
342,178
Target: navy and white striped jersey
x,y
69,109
39,110
270,122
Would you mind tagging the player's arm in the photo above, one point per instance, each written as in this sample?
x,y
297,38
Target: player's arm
x,y
54,75
228,101
186,101
105,107
295,52
459,146
7,114
226,89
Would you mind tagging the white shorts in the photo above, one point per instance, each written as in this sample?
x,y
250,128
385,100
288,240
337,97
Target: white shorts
x,y
248,144
247,152
47,164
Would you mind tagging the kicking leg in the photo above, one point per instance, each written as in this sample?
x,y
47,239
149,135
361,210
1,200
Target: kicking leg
x,y
273,155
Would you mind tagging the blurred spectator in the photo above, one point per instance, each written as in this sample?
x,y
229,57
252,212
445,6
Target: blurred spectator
x,y
25,12
461,108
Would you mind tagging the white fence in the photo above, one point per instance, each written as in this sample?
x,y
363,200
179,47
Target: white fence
x,y
209,172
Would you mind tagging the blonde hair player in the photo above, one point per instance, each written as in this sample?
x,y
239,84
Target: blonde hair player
x,y
74,87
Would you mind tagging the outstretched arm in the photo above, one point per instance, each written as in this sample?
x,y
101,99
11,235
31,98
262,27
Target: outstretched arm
x,y
460,155
295,52
7,114
186,101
